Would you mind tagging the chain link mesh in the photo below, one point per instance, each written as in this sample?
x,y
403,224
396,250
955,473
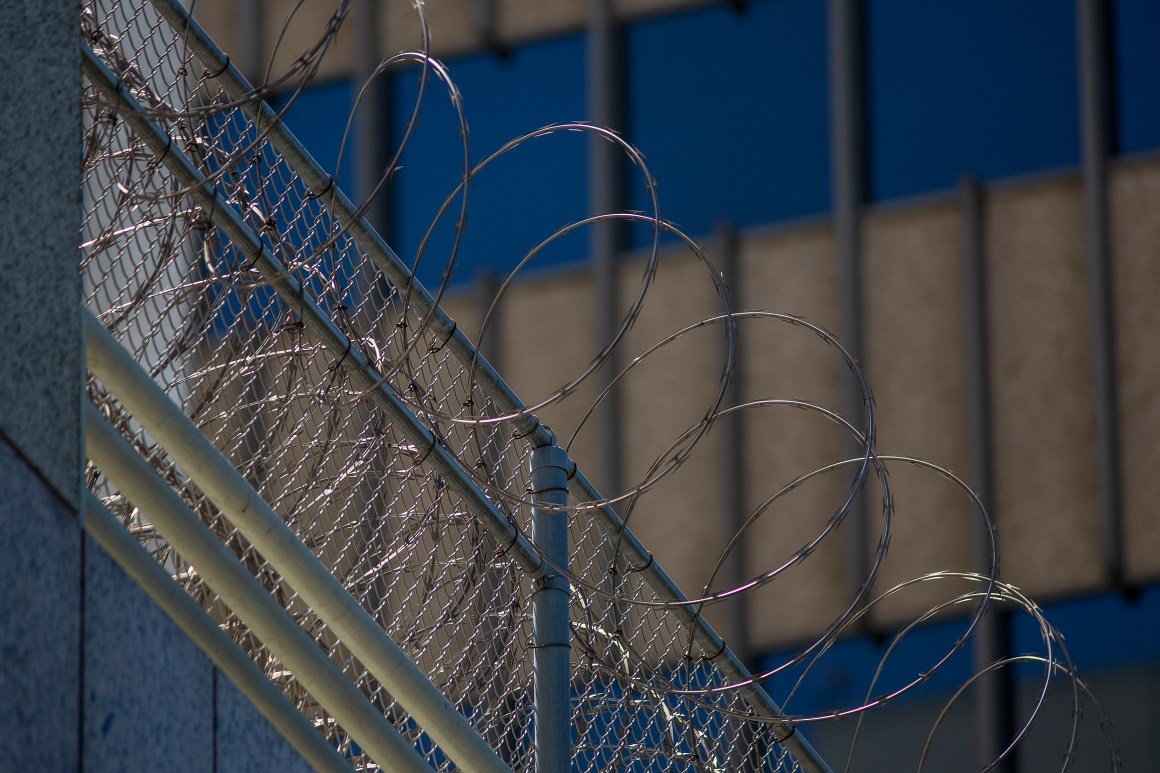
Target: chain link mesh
x,y
203,321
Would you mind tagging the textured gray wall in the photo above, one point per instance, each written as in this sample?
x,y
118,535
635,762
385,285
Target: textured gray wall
x,y
245,742
40,381
40,573
892,739
40,202
149,691
152,699
144,697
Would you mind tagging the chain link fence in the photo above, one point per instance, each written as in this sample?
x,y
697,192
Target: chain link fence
x,y
231,336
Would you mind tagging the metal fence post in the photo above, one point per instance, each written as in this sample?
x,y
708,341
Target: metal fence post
x,y
550,467
995,694
847,52
1096,92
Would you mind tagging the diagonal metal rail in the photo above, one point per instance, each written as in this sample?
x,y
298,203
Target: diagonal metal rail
x,y
245,508
233,495
237,587
108,531
491,384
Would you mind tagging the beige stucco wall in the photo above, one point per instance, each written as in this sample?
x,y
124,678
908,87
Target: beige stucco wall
x,y
1135,228
291,29
914,336
669,392
546,342
1046,502
1045,481
791,272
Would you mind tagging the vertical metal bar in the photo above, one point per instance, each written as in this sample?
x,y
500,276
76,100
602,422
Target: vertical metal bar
x,y
1092,27
732,457
606,195
552,658
251,16
373,146
848,185
743,755
486,24
995,693
373,141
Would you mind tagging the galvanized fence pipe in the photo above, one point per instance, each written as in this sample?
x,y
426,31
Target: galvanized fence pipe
x,y
108,532
245,595
552,662
846,45
245,508
488,380
1092,21
995,723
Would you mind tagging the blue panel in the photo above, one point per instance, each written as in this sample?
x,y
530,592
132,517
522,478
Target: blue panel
x,y
246,742
1101,631
318,119
730,110
148,691
985,86
40,543
1136,32
844,675
523,198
